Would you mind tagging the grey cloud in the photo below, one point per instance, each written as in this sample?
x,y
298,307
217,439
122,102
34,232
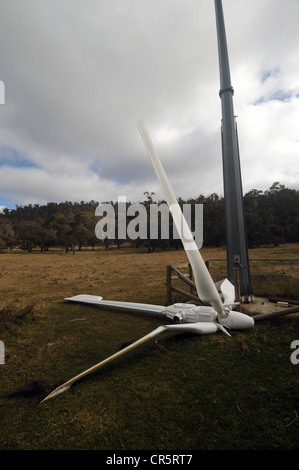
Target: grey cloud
x,y
79,75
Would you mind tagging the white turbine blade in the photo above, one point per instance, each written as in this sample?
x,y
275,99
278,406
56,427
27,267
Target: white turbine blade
x,y
64,387
200,328
228,291
118,305
205,286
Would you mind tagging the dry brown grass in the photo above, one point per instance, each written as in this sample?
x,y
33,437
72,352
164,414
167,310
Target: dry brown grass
x,y
53,275
129,275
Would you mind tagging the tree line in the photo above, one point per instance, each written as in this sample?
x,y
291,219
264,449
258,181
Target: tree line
x,y
272,217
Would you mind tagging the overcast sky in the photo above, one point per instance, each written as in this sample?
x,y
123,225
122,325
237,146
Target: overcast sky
x,y
79,74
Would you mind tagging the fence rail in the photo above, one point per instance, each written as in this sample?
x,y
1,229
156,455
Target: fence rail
x,y
173,274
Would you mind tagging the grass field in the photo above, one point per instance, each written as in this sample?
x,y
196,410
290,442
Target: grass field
x,y
176,392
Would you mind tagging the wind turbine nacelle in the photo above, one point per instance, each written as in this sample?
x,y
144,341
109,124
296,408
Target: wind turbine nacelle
x,y
237,321
189,313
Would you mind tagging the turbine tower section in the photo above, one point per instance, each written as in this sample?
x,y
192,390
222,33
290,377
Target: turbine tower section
x,y
236,238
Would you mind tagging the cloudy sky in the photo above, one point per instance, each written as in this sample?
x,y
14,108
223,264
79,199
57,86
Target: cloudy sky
x,y
79,74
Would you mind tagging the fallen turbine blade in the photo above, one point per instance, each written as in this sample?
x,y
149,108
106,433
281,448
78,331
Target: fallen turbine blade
x,y
116,304
64,387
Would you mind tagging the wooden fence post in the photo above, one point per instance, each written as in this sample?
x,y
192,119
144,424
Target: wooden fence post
x,y
168,283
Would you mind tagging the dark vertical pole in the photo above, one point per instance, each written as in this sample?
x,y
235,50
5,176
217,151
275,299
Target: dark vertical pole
x,y
237,251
